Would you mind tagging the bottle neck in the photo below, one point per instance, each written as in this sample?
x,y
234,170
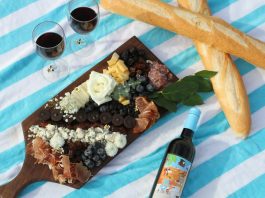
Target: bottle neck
x,y
187,133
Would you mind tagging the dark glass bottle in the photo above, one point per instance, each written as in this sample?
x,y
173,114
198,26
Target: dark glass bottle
x,y
175,166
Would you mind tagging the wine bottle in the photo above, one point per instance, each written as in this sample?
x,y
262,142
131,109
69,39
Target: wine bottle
x,y
177,161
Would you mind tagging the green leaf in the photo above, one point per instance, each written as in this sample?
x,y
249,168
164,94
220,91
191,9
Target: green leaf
x,y
180,87
206,74
155,95
194,99
168,105
120,90
176,96
205,85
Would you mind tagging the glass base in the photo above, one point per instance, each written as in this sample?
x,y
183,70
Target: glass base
x,y
82,46
55,70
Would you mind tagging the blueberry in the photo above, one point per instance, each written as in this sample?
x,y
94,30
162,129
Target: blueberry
x,y
98,145
149,87
143,79
138,76
139,88
89,163
96,158
88,153
100,151
98,163
103,156
83,157
103,108
110,107
90,107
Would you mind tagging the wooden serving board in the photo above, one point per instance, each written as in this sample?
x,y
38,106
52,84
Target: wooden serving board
x,y
32,172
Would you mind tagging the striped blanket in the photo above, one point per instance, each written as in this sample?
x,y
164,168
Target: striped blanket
x,y
224,166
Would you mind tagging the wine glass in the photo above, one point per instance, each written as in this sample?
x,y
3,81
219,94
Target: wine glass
x,y
49,40
83,16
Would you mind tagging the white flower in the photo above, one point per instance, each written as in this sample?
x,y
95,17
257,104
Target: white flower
x,y
57,141
100,86
120,140
111,149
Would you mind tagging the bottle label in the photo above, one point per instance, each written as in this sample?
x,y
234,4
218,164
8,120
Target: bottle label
x,y
172,177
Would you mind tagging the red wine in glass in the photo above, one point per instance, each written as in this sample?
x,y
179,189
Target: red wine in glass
x,y
49,41
83,16
50,45
83,20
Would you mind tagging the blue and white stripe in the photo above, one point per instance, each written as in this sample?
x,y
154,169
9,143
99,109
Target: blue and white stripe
x,y
224,165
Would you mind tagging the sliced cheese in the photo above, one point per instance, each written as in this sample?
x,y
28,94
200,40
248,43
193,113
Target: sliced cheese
x,y
115,57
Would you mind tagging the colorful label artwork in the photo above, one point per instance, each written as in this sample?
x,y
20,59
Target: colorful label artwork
x,y
173,177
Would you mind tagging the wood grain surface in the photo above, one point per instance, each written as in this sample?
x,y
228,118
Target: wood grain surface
x,y
32,172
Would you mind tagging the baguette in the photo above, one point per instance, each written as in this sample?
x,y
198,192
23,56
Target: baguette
x,y
227,84
212,31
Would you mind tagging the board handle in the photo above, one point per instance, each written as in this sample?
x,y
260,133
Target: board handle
x,y
26,176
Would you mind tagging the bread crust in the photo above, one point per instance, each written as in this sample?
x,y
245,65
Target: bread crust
x,y
212,31
227,84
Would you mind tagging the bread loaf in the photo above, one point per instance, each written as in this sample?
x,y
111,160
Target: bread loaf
x,y
227,84
213,31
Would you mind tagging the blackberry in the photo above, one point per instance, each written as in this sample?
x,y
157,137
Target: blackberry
x,y
130,62
125,55
133,51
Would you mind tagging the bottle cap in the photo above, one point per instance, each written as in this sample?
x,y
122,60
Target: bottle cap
x,y
193,118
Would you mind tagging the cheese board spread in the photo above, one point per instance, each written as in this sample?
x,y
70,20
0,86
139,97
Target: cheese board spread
x,y
77,132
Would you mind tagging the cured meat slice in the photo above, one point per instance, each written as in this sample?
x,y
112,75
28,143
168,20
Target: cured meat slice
x,y
62,169
141,125
148,114
141,103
